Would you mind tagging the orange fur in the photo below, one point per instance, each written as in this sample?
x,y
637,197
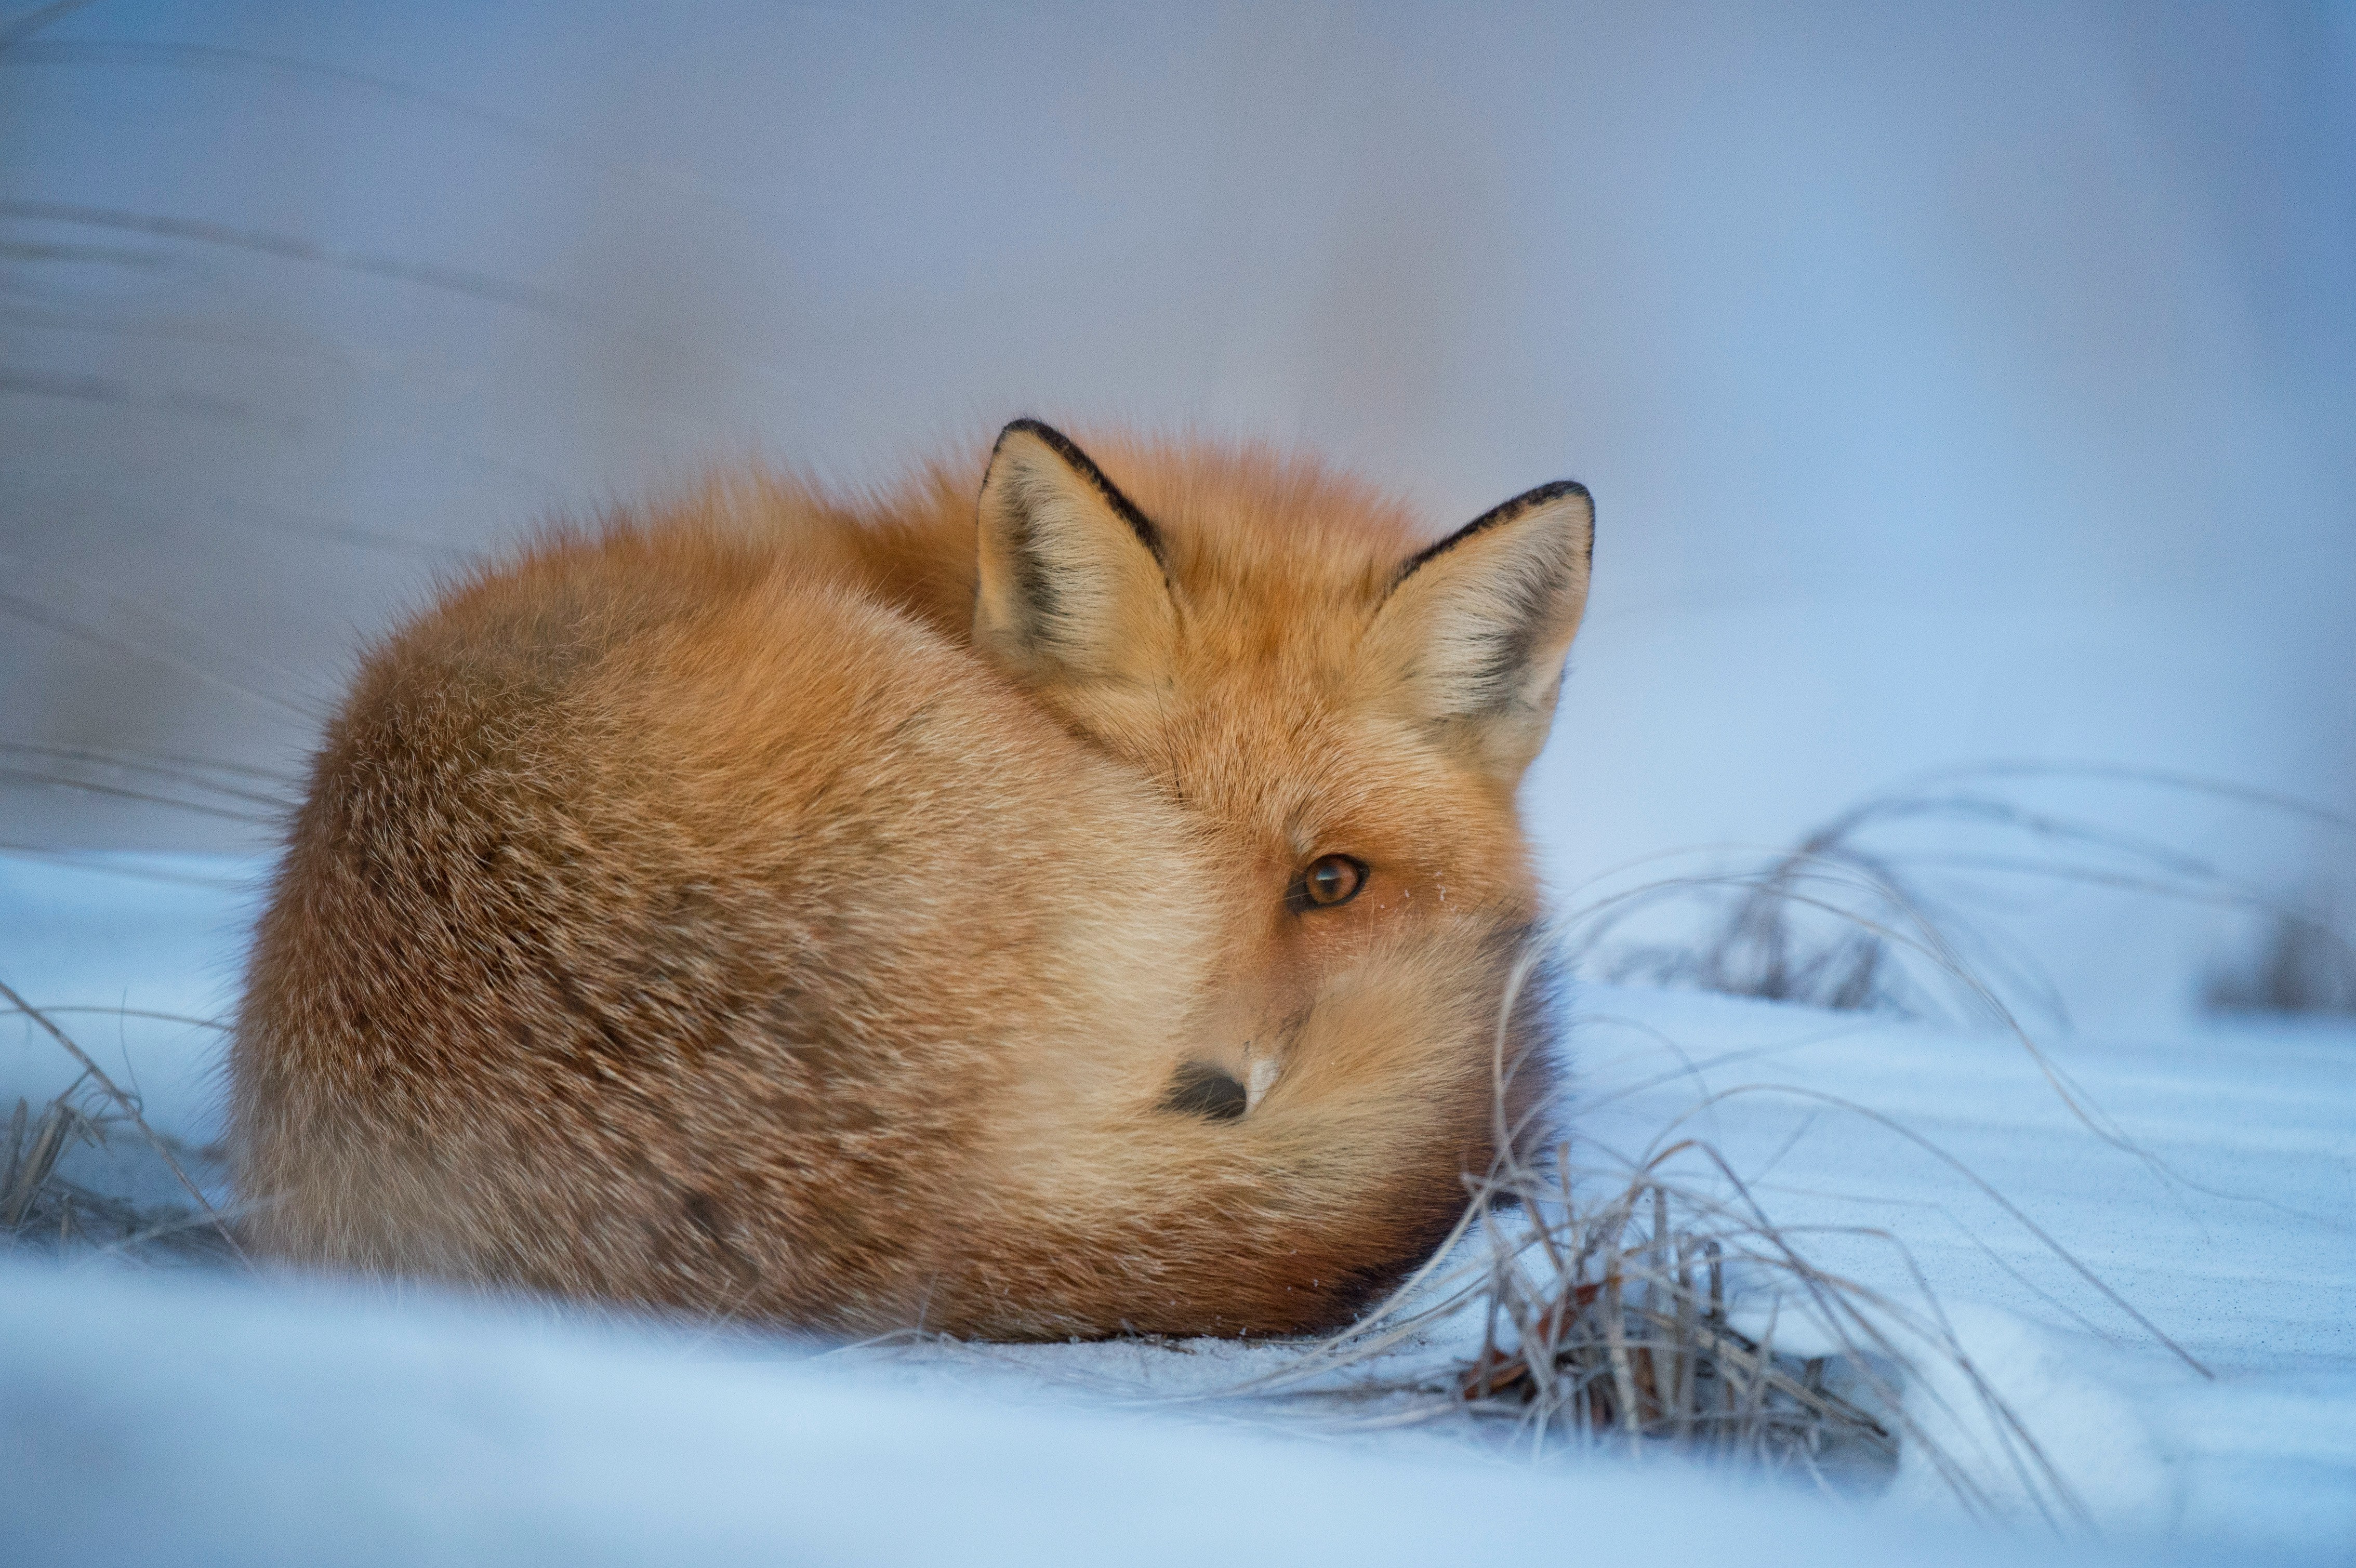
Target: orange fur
x,y
775,907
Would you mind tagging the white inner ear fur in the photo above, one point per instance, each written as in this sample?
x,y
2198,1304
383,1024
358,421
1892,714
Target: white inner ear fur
x,y
1066,587
1473,639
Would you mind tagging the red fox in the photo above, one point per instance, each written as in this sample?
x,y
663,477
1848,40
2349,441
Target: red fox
x,y
1085,908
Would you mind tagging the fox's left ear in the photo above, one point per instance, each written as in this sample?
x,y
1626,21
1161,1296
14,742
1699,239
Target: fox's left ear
x,y
1072,593
1471,638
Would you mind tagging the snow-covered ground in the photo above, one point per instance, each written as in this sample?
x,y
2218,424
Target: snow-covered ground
x,y
2210,1183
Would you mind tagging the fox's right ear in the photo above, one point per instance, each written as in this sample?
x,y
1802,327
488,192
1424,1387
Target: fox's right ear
x,y
1072,589
1469,645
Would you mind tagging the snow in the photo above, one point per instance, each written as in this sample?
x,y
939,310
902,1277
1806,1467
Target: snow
x,y
149,1419
2222,1210
2211,1186
213,1416
2266,1463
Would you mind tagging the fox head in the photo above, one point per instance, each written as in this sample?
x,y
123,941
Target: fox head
x,y
1346,710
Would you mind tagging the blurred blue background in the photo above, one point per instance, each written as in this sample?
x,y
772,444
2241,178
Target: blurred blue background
x,y
1957,383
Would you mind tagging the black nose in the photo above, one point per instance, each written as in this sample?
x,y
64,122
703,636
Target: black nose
x,y
1203,1090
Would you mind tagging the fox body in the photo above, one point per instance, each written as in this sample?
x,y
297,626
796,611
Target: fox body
x,y
1084,908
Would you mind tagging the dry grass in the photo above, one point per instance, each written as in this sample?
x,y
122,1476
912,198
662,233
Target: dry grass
x,y
1642,1315
1639,1317
1867,912
1613,1320
41,1207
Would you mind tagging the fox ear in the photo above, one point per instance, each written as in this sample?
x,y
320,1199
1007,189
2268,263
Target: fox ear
x,y
1072,586
1471,638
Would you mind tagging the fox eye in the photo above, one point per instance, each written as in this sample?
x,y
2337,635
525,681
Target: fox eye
x,y
1329,880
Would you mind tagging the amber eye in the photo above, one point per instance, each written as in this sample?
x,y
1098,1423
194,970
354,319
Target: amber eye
x,y
1329,880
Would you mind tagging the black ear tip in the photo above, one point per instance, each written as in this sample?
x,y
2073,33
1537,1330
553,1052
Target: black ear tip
x,y
1529,501
1521,506
1545,494
1062,445
1026,425
1573,487
1081,463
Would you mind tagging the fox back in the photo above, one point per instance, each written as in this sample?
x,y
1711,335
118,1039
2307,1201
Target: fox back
x,y
1084,908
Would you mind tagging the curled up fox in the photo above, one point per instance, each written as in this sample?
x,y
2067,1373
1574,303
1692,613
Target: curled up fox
x,y
1074,893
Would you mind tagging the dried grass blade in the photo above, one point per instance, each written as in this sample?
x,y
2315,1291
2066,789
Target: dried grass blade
x,y
48,1143
130,1108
